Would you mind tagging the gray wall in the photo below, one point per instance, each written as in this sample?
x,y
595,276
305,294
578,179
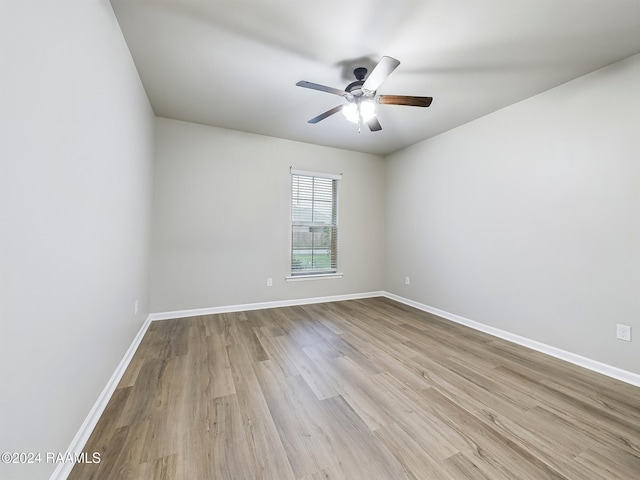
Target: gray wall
x,y
528,219
221,218
76,142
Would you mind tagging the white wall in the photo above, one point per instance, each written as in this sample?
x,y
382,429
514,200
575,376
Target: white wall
x,y
222,212
76,144
528,219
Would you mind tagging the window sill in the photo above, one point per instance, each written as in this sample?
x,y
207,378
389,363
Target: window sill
x,y
317,276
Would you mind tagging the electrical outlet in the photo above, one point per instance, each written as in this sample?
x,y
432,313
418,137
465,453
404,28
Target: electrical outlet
x,y
407,281
623,332
135,307
269,282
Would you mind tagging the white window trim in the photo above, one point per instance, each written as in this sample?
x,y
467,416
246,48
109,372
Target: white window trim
x,y
306,173
311,276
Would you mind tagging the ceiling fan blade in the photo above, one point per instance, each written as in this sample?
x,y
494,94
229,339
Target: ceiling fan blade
x,y
380,72
326,114
404,100
322,88
374,124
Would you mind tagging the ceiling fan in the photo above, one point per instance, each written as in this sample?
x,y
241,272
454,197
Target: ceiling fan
x,y
361,95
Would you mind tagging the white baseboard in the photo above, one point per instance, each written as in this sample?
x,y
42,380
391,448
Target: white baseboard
x,y
79,441
594,365
262,305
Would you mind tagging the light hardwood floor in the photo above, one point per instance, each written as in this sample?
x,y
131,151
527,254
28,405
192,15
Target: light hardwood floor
x,y
362,389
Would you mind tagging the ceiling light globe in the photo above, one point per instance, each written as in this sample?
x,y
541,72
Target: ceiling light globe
x,y
350,112
367,110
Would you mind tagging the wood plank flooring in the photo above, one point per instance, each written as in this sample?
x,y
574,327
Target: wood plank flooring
x,y
362,389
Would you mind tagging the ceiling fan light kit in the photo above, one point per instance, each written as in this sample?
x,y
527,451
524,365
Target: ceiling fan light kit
x,y
361,95
359,112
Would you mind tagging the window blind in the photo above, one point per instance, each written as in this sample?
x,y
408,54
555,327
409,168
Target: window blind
x,y
314,223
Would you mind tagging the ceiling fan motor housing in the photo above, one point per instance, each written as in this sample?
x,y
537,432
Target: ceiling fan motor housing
x,y
360,73
355,88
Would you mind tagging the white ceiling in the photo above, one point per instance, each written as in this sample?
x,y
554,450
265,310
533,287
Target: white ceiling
x,y
234,63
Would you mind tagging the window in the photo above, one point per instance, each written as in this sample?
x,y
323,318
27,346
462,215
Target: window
x,y
314,223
